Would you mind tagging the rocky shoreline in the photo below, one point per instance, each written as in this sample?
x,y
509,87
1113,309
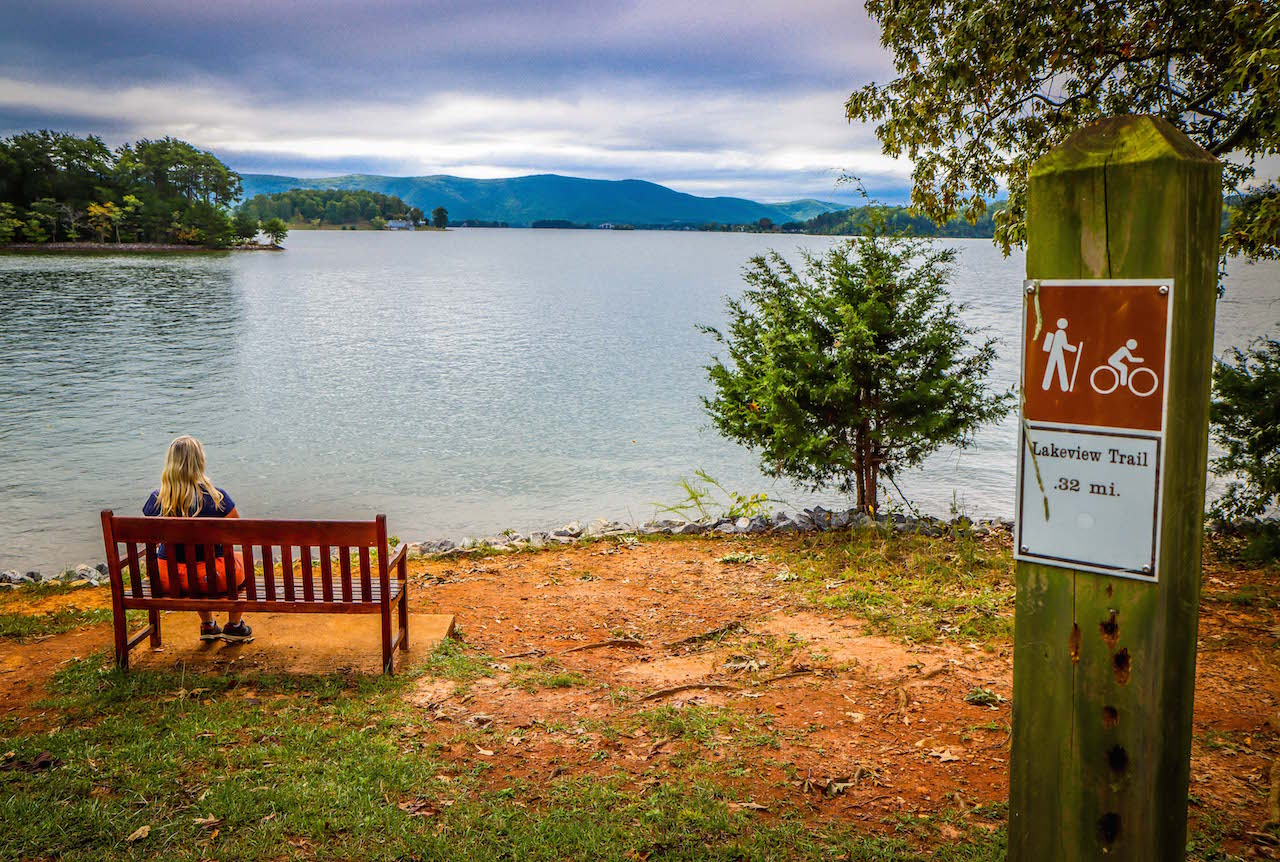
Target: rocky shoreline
x,y
815,520
812,520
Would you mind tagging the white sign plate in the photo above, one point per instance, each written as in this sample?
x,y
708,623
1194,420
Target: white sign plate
x,y
1089,500
1095,362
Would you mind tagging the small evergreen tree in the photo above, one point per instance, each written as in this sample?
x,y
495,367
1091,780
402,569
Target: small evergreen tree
x,y
440,217
853,368
276,229
1245,413
244,226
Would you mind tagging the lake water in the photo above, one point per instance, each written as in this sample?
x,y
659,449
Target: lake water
x,y
461,382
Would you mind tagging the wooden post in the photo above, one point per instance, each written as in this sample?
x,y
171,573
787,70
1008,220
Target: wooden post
x,y
1104,667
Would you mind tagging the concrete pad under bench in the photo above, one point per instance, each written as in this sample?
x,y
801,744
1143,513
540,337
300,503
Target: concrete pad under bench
x,y
294,643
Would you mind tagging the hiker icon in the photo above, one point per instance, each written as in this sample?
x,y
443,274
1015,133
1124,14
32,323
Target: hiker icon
x,y
1117,368
1057,346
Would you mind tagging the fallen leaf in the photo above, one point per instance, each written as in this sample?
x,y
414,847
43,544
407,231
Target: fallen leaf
x,y
138,834
943,754
747,806
418,808
207,822
484,752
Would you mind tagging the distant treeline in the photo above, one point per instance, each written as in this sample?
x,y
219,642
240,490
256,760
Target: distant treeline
x,y
479,222
854,221
331,206
56,187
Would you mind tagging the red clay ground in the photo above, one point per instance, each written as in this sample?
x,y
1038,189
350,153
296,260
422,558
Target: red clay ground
x,y
597,660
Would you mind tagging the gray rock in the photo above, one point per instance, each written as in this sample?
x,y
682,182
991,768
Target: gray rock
x,y
103,570
786,527
538,539
757,524
15,578
726,529
692,528
571,530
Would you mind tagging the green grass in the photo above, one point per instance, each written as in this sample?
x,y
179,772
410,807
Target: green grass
x,y
453,659
22,627
19,623
547,673
324,767
910,586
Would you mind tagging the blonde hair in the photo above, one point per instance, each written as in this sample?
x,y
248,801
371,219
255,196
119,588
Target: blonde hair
x,y
184,479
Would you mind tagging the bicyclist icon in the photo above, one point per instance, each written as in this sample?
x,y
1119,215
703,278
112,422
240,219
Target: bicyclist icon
x,y
1116,373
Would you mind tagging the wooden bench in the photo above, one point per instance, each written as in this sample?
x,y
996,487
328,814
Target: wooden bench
x,y
288,582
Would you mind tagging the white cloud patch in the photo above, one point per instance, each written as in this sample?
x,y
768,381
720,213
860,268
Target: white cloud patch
x,y
767,145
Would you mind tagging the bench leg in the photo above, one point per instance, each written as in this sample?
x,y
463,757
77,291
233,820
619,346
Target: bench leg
x,y
122,636
387,659
404,618
153,618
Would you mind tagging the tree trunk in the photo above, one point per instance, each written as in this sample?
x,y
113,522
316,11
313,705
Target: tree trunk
x,y
857,469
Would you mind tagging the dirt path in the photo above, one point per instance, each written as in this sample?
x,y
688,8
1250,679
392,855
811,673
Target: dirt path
x,y
654,661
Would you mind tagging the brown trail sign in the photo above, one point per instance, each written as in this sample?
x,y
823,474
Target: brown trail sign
x,y
1122,233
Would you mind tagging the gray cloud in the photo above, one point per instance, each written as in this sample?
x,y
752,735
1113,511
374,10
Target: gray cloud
x,y
711,97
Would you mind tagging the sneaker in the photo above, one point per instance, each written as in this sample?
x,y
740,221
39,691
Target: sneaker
x,y
235,633
210,632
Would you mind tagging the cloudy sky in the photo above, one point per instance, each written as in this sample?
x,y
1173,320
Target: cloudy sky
x,y
710,96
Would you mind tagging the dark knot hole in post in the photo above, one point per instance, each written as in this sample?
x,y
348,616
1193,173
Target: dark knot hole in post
x,y
1120,662
1110,630
1118,759
1073,643
1110,717
1109,827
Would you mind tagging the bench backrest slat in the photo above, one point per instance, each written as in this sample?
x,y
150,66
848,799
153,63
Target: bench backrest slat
x,y
250,582
366,580
344,568
268,573
286,569
308,583
135,576
153,569
193,571
326,573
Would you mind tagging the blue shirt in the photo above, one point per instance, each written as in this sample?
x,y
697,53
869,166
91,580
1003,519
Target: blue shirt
x,y
208,509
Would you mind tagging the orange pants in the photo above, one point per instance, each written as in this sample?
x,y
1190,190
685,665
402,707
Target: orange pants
x,y
219,586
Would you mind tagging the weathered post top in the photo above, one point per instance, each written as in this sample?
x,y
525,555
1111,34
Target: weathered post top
x,y
1122,250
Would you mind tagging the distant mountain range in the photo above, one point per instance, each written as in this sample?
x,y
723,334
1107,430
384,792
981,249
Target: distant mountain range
x,y
523,200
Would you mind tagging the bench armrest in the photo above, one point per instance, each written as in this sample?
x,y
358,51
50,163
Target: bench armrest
x,y
399,562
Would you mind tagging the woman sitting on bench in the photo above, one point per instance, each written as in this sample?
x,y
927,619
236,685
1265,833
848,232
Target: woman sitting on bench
x,y
186,492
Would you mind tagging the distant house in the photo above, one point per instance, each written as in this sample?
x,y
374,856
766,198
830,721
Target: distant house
x,y
607,226
399,224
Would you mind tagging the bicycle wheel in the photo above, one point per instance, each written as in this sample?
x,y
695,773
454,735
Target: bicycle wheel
x,y
1115,380
1133,376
